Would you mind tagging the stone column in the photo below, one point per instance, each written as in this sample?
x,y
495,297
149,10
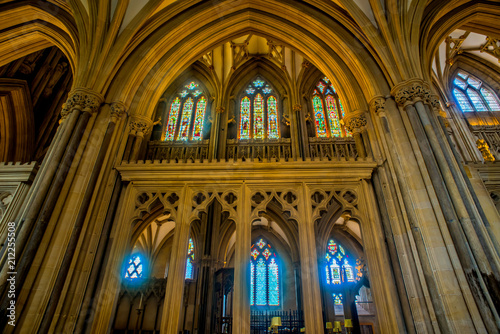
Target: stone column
x,y
309,265
177,267
356,123
296,138
241,304
430,235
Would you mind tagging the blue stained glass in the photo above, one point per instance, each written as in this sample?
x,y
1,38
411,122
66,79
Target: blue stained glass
x,y
474,83
274,293
327,275
186,119
267,90
252,283
325,79
250,90
261,283
460,83
134,269
183,93
338,268
196,93
189,269
463,102
476,100
462,75
490,99
258,83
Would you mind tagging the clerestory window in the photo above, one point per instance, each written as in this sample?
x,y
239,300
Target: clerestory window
x,y
134,268
328,111
259,116
190,260
472,95
186,114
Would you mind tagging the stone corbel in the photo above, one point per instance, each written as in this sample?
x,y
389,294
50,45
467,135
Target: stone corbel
x,y
140,125
118,109
81,99
411,91
377,106
436,107
485,150
355,122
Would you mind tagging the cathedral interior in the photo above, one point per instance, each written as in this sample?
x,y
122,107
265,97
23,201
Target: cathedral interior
x,y
237,166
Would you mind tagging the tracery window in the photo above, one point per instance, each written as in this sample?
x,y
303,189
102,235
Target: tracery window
x,y
134,269
190,260
264,275
340,268
259,117
472,95
326,106
186,114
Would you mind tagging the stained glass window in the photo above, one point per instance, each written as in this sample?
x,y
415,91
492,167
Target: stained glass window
x,y
187,110
264,275
272,116
337,298
472,95
327,105
201,106
190,259
134,268
259,116
186,117
245,118
339,265
319,117
172,119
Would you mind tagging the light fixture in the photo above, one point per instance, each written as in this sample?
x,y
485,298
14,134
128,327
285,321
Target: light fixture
x,y
275,323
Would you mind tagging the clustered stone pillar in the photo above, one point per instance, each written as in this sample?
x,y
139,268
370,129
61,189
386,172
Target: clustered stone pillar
x,y
426,223
81,104
356,123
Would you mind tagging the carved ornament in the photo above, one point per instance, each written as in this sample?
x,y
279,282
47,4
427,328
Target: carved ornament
x,y
377,104
140,125
297,107
117,110
355,122
220,110
82,99
411,91
485,150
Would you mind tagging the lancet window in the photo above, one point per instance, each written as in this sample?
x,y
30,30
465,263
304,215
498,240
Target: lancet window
x,y
472,95
190,260
264,275
186,114
328,111
259,117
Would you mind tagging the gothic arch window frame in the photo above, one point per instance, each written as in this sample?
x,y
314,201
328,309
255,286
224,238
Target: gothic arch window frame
x,y
323,89
258,256
179,103
472,91
259,86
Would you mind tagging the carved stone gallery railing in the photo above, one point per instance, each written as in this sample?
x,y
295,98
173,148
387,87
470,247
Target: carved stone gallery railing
x,y
261,150
491,134
180,151
333,149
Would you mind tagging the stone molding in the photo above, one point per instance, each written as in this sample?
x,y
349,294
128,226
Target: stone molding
x,y
411,91
354,122
140,124
82,99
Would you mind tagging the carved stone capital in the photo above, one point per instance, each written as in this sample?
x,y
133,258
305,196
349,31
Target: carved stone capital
x,y
434,102
297,107
220,110
411,91
118,109
82,99
355,122
377,104
140,125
